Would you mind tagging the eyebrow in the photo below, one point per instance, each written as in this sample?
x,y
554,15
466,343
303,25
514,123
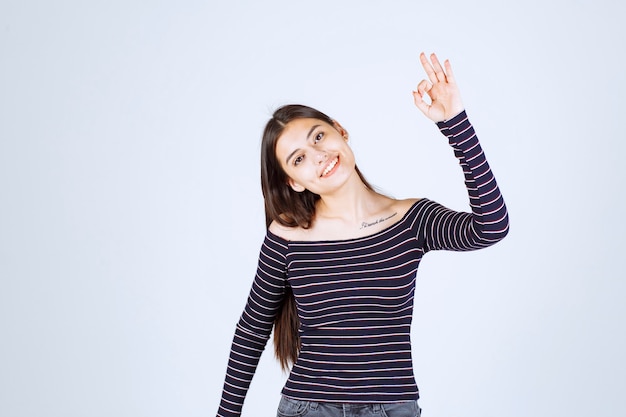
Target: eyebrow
x,y
308,135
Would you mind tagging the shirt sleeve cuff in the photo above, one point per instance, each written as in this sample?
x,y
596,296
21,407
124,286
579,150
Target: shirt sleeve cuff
x,y
454,120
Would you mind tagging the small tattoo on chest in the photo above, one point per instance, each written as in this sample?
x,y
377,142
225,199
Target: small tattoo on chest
x,y
377,221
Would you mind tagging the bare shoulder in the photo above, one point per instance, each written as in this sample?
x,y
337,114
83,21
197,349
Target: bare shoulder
x,y
403,206
287,233
383,212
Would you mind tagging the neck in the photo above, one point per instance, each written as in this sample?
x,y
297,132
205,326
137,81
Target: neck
x,y
352,203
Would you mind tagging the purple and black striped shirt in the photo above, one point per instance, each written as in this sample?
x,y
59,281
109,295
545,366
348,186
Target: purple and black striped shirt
x,y
355,296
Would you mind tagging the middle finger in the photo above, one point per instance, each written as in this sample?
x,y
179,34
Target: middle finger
x,y
439,72
430,71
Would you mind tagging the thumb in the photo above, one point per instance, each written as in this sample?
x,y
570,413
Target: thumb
x,y
419,102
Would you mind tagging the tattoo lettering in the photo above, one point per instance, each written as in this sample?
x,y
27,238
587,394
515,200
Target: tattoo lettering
x,y
380,220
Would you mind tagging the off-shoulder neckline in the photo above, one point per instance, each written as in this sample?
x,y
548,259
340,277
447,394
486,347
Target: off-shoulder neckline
x,y
349,240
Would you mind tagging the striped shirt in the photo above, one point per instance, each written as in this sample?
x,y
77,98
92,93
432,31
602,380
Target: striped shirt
x,y
355,297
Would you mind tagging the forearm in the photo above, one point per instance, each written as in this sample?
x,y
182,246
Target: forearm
x,y
244,357
488,222
254,327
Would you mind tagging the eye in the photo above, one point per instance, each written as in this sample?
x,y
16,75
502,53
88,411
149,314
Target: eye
x,y
298,159
318,137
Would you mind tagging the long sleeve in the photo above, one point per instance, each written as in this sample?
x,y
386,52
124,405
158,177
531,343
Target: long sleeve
x,y
255,326
488,221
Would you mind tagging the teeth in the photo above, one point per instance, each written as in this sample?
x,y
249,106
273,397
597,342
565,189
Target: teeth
x,y
330,167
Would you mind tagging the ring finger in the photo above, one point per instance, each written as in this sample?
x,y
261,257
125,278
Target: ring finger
x,y
439,72
428,67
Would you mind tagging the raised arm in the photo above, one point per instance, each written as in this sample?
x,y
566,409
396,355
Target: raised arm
x,y
488,221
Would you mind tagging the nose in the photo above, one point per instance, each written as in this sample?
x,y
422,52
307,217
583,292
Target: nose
x,y
321,157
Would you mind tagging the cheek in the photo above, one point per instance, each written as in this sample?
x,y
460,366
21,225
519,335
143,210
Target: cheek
x,y
349,158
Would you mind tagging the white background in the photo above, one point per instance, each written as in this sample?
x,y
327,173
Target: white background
x,y
131,214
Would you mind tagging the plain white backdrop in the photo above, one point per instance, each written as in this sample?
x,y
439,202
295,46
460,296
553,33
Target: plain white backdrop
x,y
131,214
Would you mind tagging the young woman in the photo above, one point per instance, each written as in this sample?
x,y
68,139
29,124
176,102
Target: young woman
x,y
336,272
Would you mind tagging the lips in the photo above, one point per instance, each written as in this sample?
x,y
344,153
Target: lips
x,y
330,167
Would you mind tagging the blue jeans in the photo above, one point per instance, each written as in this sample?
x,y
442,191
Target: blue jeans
x,y
298,408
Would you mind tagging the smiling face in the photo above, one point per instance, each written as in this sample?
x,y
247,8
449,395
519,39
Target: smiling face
x,y
315,155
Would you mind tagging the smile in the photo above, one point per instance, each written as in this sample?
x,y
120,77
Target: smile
x,y
330,167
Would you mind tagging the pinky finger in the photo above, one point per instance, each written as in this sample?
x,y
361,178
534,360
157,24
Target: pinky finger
x,y
449,72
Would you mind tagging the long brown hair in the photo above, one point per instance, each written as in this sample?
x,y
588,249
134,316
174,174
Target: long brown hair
x,y
288,208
